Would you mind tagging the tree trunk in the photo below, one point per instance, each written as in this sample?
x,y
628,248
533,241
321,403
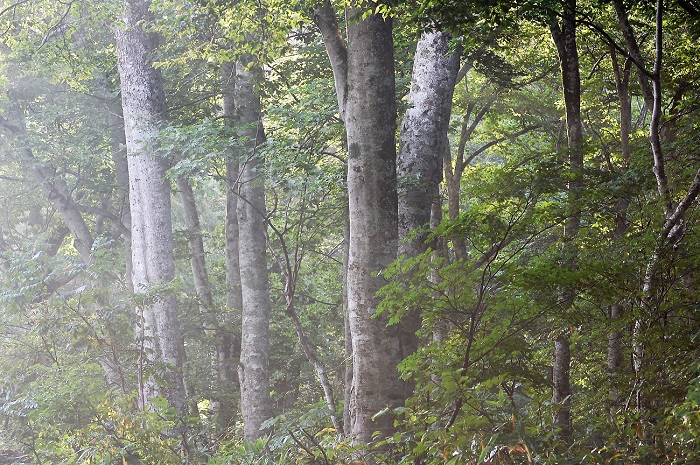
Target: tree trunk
x,y
422,144
253,370
60,196
228,348
564,36
143,103
347,377
121,167
371,124
196,245
634,52
622,77
200,275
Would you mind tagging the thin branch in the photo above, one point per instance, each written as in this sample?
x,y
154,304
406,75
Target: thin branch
x,y
13,6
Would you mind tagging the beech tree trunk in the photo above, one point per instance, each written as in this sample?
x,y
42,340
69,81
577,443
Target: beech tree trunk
x,y
115,120
143,104
564,36
195,242
347,376
200,275
422,144
622,77
253,370
364,79
229,341
370,120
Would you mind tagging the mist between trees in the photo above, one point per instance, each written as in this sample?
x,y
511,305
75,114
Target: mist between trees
x,y
417,232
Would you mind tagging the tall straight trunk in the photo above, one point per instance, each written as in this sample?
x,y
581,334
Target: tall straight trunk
x,y
422,144
253,370
564,36
228,348
336,47
200,275
622,77
115,119
363,70
195,241
370,121
347,376
143,104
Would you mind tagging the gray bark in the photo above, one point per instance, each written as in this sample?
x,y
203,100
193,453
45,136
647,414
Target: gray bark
x,y
143,104
634,52
422,144
195,241
60,196
200,275
347,378
366,89
234,300
326,21
121,167
229,343
564,37
370,119
253,371
53,187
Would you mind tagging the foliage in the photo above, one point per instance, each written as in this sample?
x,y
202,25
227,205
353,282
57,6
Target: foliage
x,y
489,288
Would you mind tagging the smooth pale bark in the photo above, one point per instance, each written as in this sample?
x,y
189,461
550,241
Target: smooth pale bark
x,y
347,376
370,120
326,21
336,47
634,52
364,78
115,119
200,275
195,241
143,105
53,187
229,342
253,370
422,144
564,36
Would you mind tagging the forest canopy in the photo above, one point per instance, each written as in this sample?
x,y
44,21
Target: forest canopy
x,y
338,232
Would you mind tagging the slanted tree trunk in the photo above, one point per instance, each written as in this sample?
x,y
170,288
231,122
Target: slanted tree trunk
x,y
336,47
634,52
143,104
115,119
422,144
195,241
61,197
200,275
564,36
253,370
